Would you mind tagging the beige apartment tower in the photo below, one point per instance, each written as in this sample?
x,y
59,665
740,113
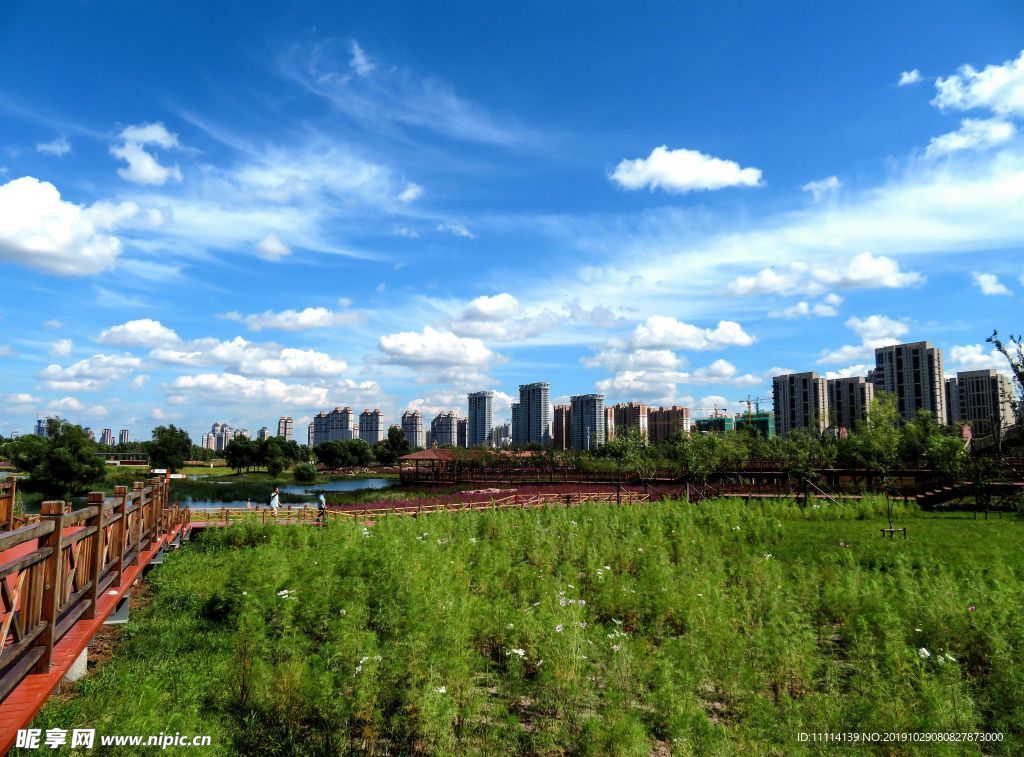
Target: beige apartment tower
x,y
913,373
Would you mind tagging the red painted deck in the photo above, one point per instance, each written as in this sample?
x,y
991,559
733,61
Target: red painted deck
x,y
31,694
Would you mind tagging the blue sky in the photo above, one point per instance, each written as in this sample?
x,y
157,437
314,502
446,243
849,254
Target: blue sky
x,y
236,212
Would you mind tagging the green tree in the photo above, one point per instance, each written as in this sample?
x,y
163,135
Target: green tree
x,y
1014,354
387,451
242,453
879,442
170,448
64,462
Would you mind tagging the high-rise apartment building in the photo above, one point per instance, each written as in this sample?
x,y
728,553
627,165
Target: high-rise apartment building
x,y
561,427
664,422
849,400
371,426
501,435
913,373
462,436
412,429
310,435
630,417
40,429
984,399
480,419
444,429
284,427
609,423
586,424
106,436
336,426
263,434
123,436
801,401
532,421
220,435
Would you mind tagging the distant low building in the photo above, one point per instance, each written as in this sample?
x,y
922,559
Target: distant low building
x,y
761,421
715,424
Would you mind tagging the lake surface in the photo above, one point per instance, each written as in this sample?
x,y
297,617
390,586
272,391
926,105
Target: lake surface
x,y
341,485
336,485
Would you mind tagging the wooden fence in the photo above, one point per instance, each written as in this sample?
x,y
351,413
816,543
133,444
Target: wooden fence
x,y
224,516
8,490
55,569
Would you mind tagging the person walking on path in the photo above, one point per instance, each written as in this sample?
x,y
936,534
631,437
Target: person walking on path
x,y
275,501
321,507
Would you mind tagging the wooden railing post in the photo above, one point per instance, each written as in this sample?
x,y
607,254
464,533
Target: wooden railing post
x,y
53,564
120,529
96,499
140,517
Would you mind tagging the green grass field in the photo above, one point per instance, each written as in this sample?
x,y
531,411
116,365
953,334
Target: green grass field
x,y
723,628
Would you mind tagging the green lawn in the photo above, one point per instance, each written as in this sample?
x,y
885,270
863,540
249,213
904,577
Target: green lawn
x,y
724,628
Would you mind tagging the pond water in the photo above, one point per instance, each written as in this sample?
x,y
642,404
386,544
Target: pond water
x,y
341,485
336,485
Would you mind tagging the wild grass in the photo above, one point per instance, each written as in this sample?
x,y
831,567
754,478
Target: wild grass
x,y
720,628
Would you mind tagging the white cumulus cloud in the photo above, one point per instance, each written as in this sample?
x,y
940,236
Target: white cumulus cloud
x,y
272,248
431,347
143,167
683,170
61,347
999,88
296,320
909,77
39,229
143,332
863,271
659,331
989,284
973,134
58,147
823,187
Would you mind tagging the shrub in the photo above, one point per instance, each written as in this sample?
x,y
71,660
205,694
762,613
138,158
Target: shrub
x,y
304,473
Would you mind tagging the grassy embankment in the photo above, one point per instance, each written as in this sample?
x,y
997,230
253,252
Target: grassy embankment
x,y
723,628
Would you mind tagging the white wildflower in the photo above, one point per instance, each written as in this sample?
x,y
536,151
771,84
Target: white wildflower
x,y
559,628
918,630
950,657
767,555
442,690
923,653
616,647
510,626
518,652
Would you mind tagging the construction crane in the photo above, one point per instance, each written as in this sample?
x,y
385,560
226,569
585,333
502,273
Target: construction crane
x,y
756,402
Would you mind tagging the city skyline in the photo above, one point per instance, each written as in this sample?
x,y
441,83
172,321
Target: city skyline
x,y
672,219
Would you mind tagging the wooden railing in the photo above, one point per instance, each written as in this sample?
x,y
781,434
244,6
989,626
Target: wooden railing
x,y
54,570
8,489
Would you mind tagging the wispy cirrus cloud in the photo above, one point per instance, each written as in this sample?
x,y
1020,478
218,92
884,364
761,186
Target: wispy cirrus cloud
x,y
377,96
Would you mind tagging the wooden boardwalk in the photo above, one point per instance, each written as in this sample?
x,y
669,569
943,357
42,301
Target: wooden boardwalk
x,y
61,577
